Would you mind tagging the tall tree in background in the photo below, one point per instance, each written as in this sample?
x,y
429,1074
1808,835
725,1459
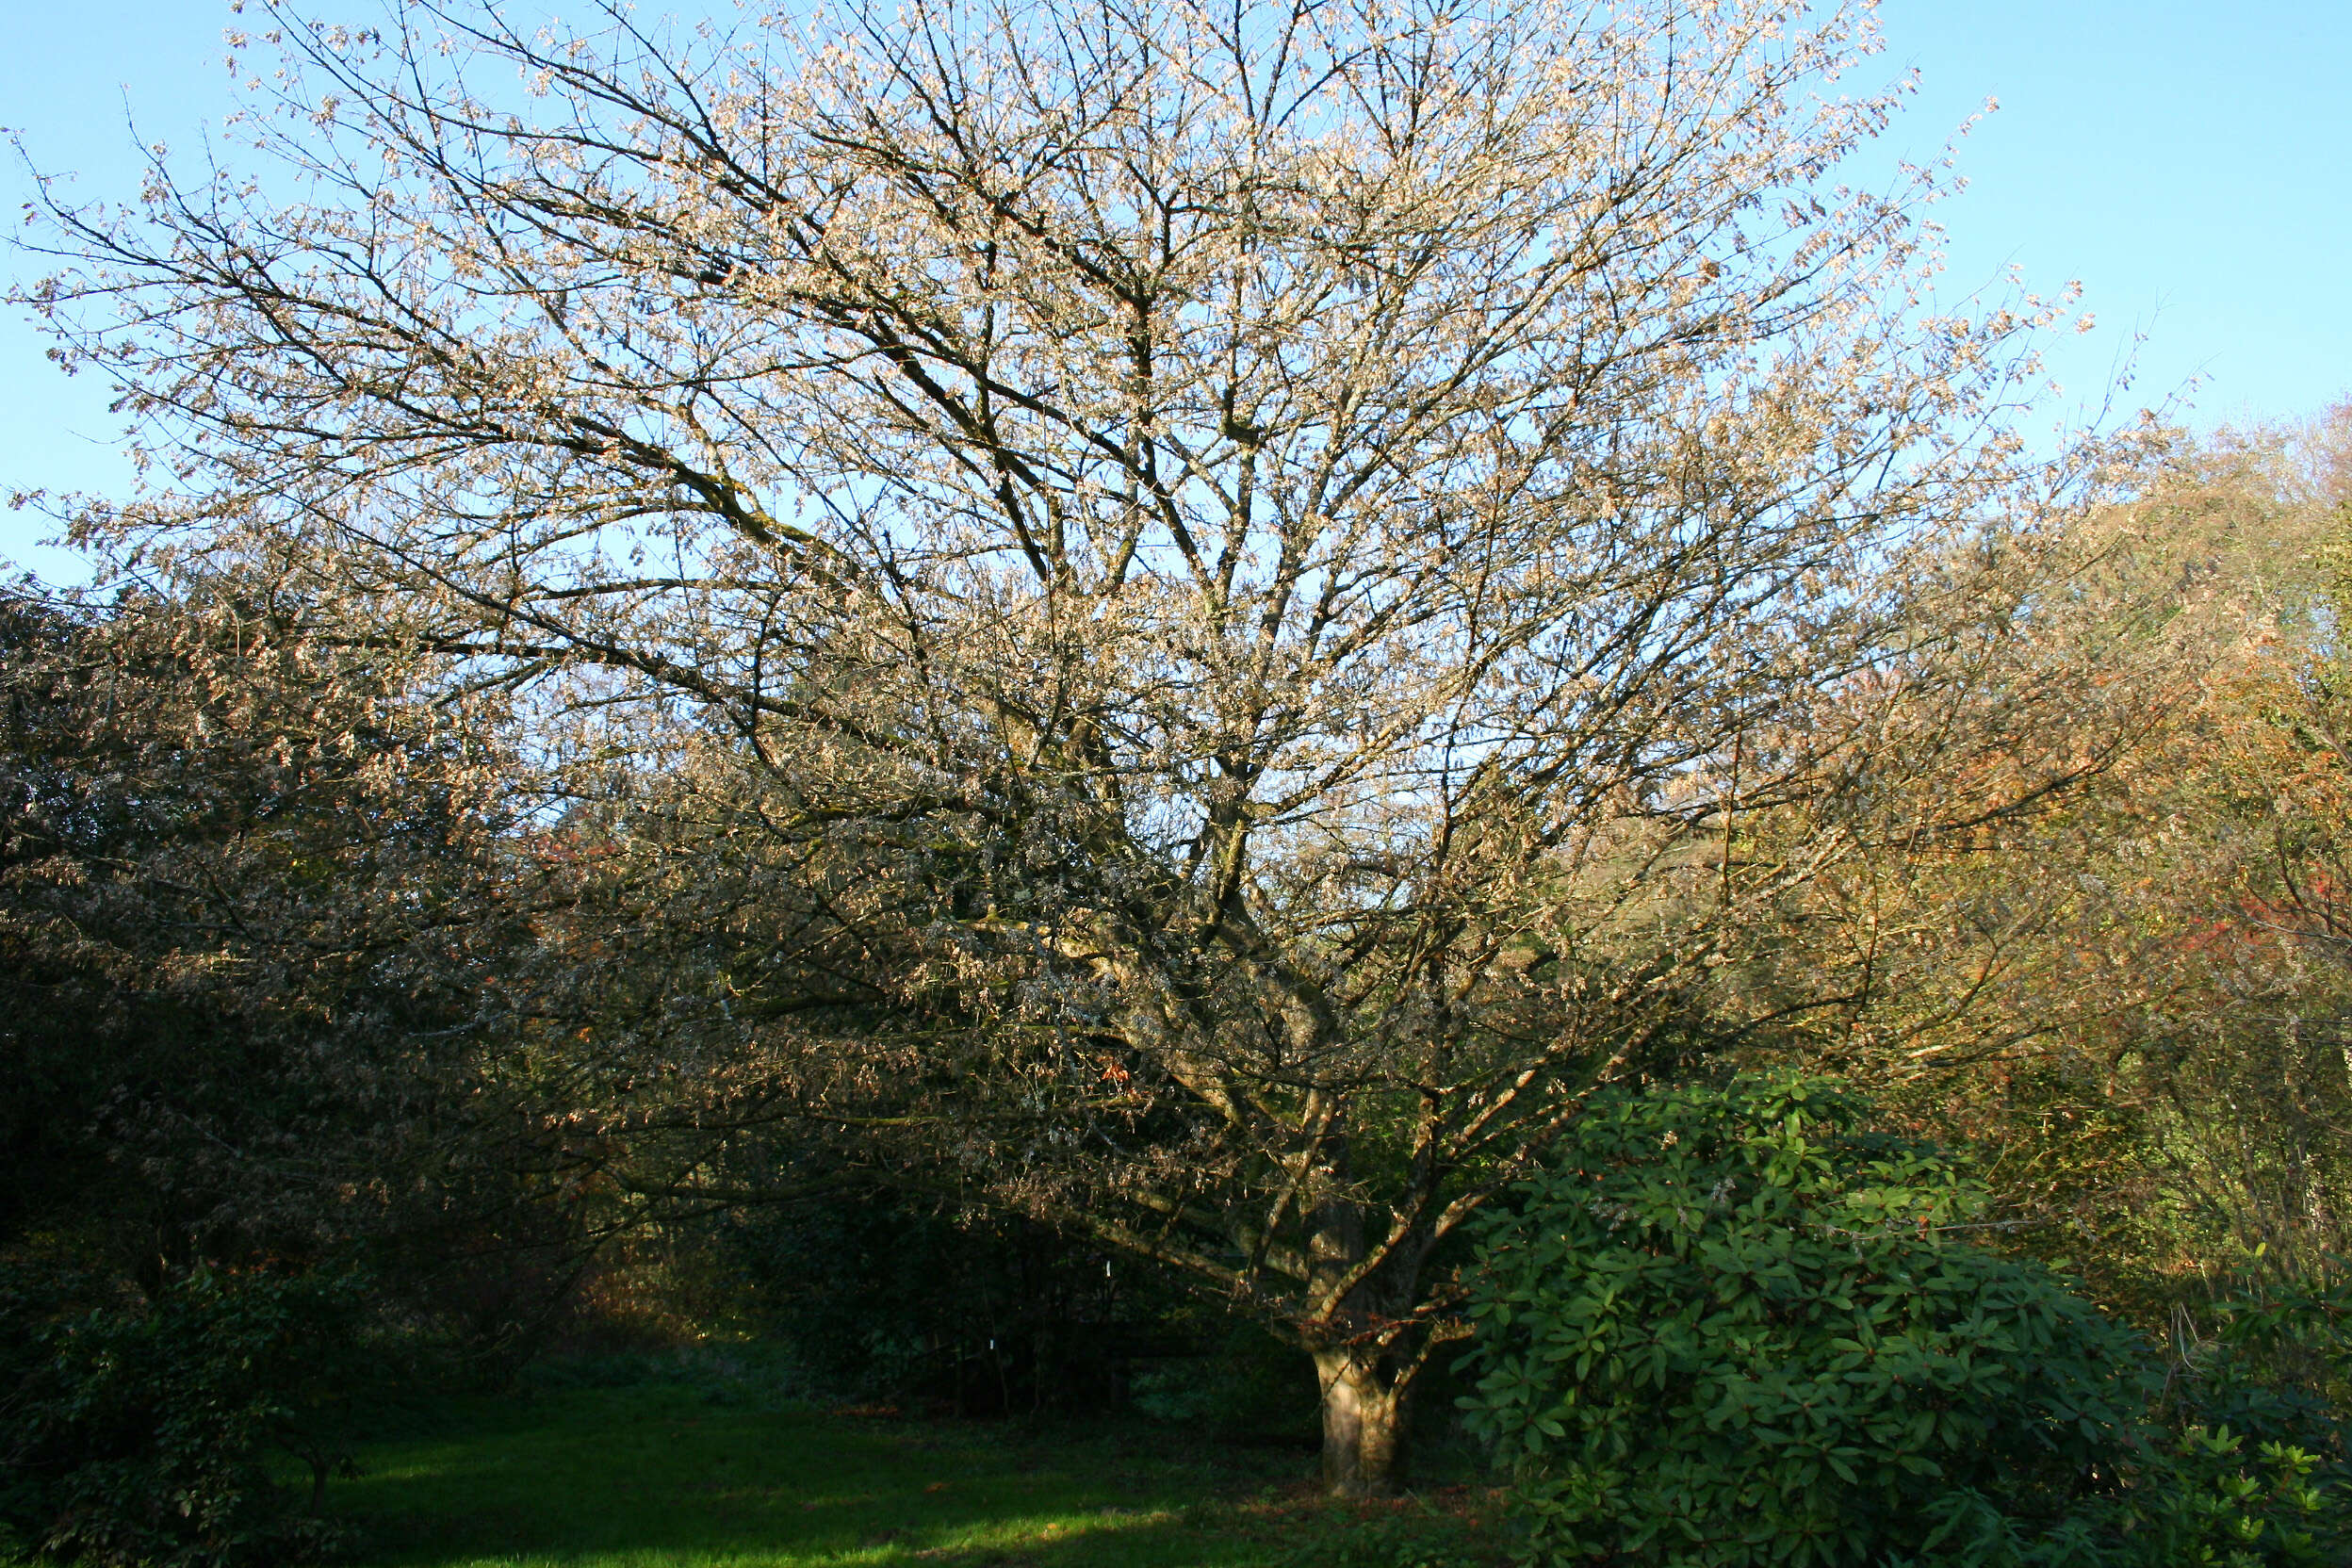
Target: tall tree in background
x,y
1200,591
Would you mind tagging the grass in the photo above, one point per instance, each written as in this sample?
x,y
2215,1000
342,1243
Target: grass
x,y
659,1478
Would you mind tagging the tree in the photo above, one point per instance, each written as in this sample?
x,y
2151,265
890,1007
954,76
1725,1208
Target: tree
x,y
1199,589
264,945
2126,993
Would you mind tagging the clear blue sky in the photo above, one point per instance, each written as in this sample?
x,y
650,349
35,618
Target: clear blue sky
x,y
2190,163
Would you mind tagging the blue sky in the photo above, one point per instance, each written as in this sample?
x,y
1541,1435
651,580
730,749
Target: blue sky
x,y
2190,163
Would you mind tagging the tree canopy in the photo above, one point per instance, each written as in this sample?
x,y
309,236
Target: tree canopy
x,y
1194,619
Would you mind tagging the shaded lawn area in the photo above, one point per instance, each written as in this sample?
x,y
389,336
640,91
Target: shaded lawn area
x,y
657,1477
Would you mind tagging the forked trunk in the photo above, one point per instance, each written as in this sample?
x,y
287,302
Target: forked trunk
x,y
1362,1423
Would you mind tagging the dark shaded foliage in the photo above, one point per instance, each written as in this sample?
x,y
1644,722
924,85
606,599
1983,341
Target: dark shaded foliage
x,y
264,934
144,1431
883,1296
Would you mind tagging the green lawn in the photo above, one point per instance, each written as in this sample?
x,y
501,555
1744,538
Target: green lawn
x,y
654,1477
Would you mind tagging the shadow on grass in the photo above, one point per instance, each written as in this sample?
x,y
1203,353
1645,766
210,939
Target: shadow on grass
x,y
656,1478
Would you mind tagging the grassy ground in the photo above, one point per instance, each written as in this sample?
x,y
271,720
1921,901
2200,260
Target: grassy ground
x,y
659,1478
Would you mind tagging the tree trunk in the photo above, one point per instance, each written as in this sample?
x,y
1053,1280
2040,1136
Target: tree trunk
x,y
1362,1423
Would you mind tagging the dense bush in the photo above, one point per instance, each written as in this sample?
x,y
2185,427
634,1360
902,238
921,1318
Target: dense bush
x,y
2270,1359
2207,1500
146,1431
1730,1326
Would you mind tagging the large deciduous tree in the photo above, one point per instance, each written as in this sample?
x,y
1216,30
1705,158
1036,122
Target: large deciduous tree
x,y
1217,579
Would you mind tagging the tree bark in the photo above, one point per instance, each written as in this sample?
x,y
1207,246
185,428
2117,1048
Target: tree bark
x,y
1362,1421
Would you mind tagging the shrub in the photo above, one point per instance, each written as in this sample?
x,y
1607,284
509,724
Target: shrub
x,y
2209,1502
2273,1365
143,1431
1731,1327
